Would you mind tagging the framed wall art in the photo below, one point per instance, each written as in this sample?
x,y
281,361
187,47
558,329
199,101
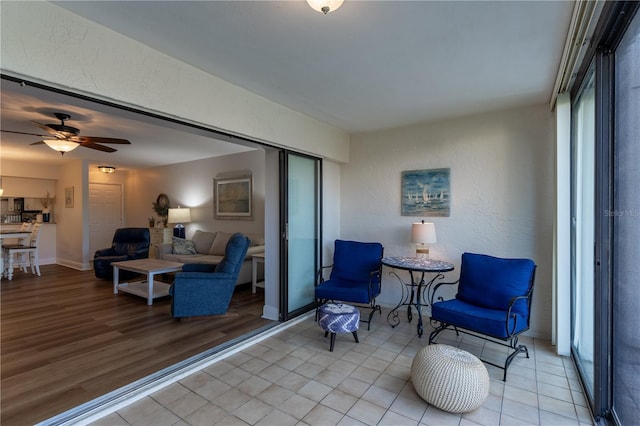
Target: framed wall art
x,y
233,197
426,192
68,197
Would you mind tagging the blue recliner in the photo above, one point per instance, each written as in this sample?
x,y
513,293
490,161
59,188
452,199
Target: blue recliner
x,y
205,289
355,275
493,302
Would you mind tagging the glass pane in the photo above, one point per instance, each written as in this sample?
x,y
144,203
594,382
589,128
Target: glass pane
x,y
583,189
626,228
303,237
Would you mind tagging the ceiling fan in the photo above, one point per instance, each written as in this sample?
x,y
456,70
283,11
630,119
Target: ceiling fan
x,y
63,138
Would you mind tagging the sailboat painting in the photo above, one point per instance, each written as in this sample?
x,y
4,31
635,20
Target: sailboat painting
x,y
426,193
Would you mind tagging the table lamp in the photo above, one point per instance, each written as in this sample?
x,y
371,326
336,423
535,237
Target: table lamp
x,y
179,216
421,234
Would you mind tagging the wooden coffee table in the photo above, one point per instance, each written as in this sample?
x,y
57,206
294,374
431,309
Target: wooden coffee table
x,y
148,288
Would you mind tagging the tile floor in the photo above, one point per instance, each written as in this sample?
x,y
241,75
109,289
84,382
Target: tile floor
x,y
291,378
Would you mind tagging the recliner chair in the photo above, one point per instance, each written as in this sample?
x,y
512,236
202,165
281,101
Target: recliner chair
x,y
206,289
128,244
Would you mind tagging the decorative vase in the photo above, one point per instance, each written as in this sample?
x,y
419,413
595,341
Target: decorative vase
x,y
45,215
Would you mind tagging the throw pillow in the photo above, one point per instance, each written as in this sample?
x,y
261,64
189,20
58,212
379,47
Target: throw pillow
x,y
220,243
181,246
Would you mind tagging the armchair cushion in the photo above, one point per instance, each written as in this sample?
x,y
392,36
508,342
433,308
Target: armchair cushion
x,y
491,322
354,261
492,282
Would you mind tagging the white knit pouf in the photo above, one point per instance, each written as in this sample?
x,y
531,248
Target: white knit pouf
x,y
449,378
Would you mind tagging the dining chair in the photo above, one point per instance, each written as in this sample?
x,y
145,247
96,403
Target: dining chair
x,y
25,252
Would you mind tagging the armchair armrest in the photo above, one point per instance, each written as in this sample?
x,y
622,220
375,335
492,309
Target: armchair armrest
x,y
515,317
320,275
376,273
105,252
435,289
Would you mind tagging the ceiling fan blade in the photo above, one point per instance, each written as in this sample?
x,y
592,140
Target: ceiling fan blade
x,y
97,139
46,128
25,133
37,143
98,147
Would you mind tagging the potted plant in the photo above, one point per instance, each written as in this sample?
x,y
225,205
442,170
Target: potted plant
x,y
47,204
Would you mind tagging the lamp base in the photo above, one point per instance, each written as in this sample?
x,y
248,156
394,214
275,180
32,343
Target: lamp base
x,y
178,231
422,252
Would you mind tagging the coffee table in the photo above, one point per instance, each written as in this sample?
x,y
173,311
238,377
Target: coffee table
x,y
148,288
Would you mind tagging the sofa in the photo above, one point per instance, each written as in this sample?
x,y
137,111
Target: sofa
x,y
209,247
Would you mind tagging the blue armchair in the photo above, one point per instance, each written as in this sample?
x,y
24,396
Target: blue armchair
x,y
206,289
493,302
127,244
355,275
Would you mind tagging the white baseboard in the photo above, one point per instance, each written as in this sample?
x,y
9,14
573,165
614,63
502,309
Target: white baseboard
x,y
270,313
73,264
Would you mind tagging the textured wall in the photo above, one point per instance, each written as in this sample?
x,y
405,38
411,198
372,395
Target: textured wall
x,y
501,184
43,42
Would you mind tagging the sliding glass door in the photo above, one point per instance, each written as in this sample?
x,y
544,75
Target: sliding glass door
x,y
605,213
583,229
300,229
626,229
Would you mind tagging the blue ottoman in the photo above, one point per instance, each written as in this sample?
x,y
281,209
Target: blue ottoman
x,y
338,318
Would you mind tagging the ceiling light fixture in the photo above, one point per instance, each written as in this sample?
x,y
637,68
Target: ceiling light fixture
x,y
107,169
325,6
61,145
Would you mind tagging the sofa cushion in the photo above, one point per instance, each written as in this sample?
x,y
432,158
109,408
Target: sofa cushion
x,y
220,243
203,241
182,246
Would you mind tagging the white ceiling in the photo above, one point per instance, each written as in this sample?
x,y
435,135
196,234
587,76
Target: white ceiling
x,y
369,65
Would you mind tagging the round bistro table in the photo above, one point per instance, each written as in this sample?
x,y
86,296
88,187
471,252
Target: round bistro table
x,y
413,292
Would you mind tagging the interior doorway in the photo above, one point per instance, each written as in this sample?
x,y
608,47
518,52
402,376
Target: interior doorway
x,y
105,214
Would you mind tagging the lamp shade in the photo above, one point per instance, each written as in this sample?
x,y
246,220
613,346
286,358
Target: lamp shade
x,y
325,6
179,215
61,145
423,233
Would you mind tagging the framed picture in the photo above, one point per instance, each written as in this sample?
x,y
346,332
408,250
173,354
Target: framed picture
x,y
233,197
426,192
68,197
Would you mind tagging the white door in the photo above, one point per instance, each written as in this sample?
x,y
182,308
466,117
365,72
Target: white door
x,y
105,214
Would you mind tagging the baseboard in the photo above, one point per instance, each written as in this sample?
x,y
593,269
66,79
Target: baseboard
x,y
270,313
73,265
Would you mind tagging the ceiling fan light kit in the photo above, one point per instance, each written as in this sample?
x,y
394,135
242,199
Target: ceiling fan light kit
x,y
63,138
61,145
107,169
325,6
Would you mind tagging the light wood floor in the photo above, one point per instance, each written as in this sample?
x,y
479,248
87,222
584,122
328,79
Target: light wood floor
x,y
67,339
